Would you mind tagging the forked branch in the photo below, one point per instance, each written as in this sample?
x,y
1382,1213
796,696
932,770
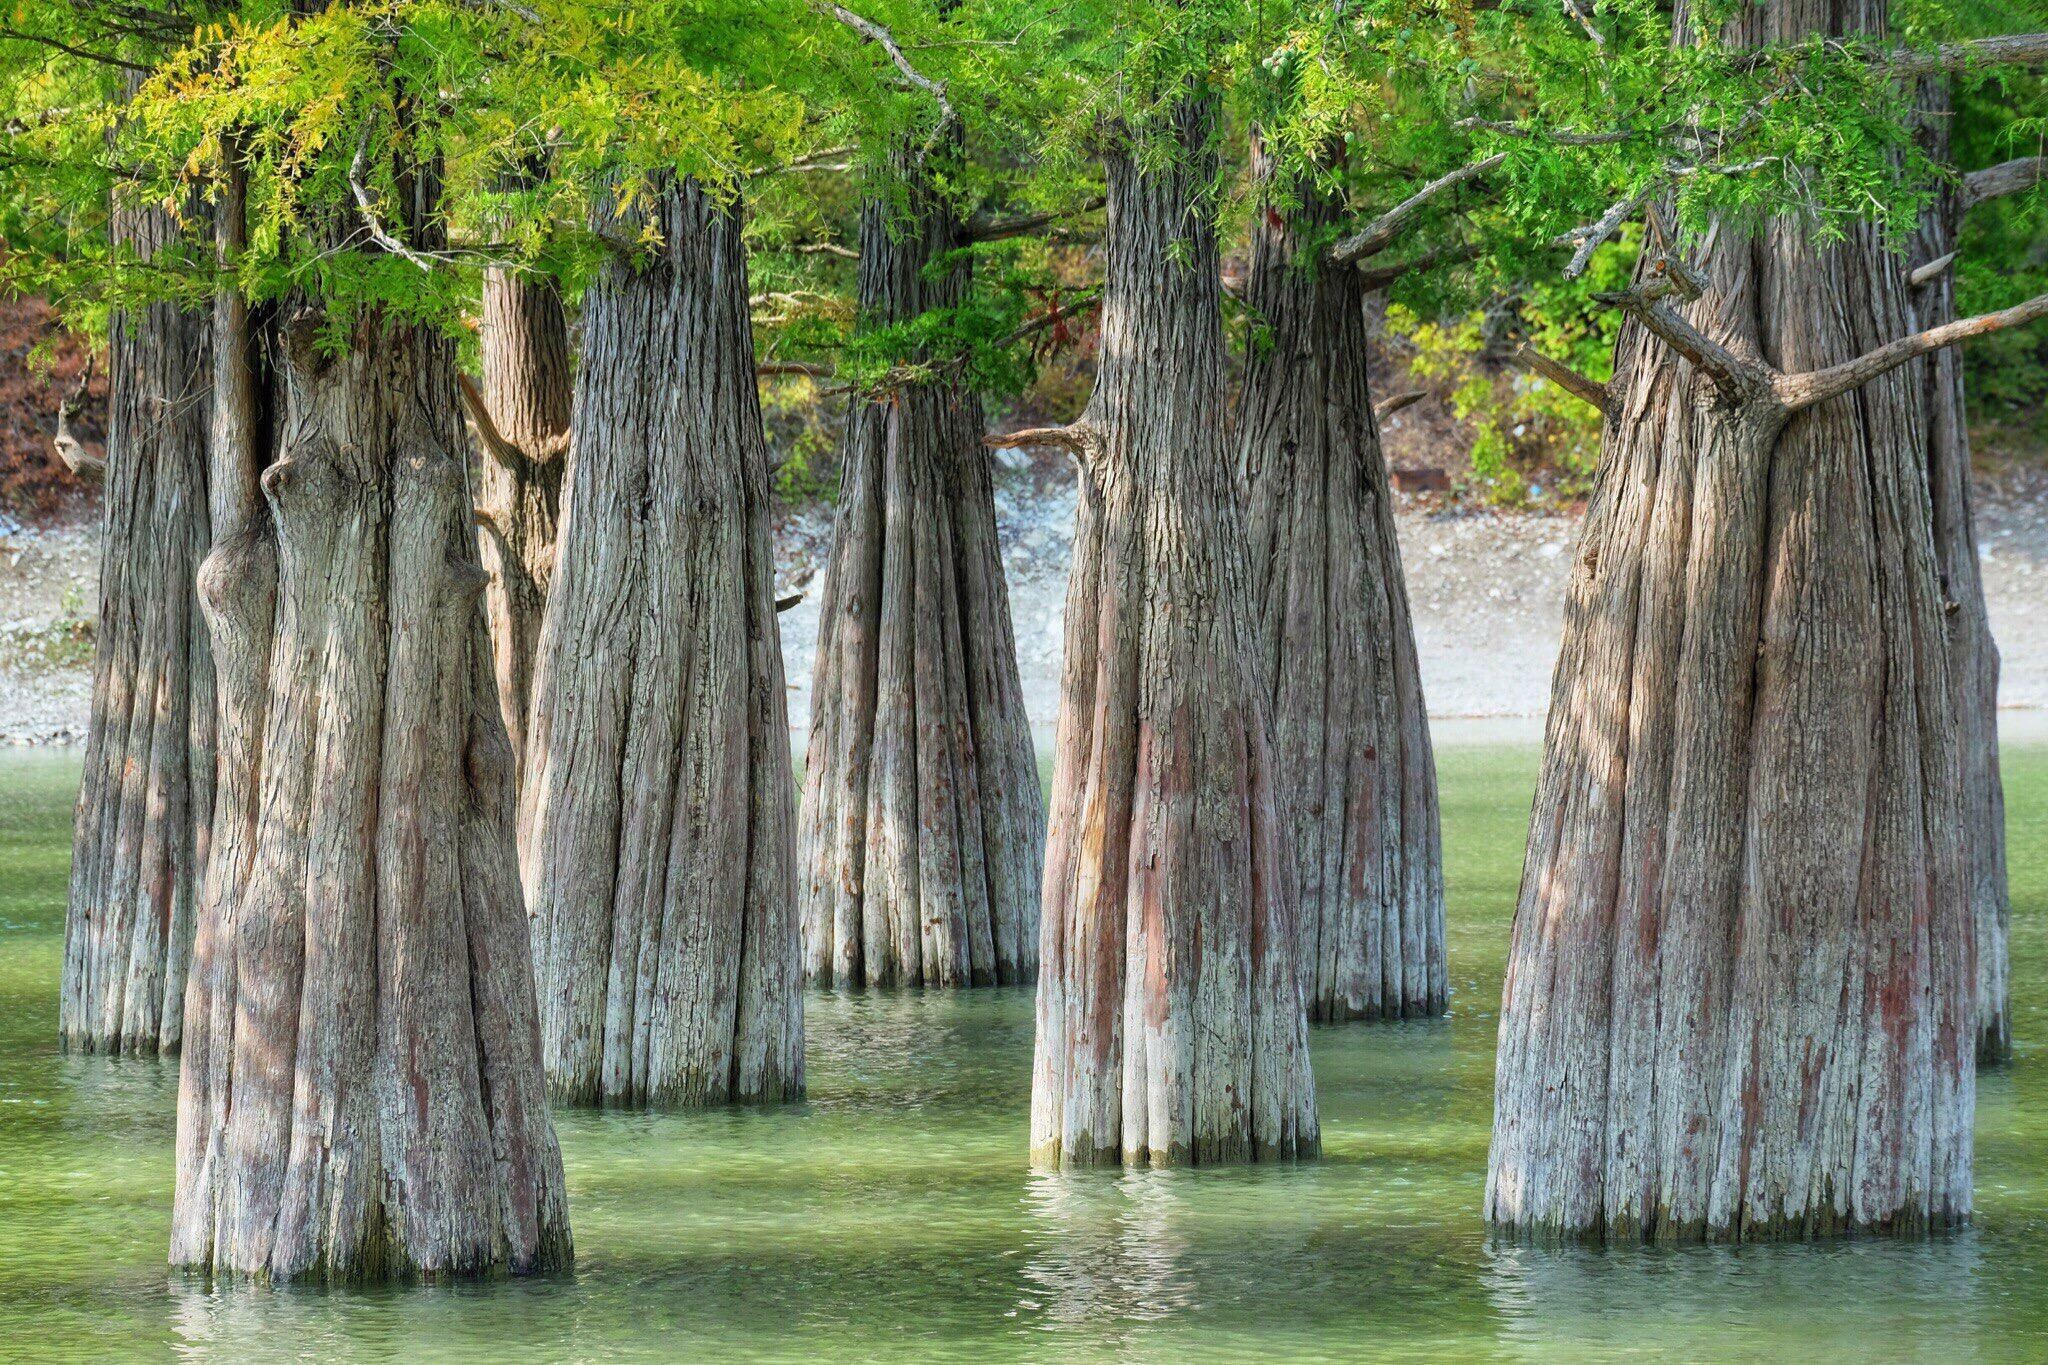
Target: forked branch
x,y
1384,230
884,39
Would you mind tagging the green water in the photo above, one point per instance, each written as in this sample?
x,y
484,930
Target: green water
x,y
893,1215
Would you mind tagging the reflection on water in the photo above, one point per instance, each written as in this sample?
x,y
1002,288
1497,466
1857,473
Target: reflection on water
x,y
893,1214
1106,1247
1889,1296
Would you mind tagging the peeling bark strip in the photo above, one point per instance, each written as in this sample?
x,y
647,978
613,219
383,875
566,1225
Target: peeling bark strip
x,y
524,426
656,815
1972,654
922,836
139,844
361,1094
1170,1014
1351,743
1739,997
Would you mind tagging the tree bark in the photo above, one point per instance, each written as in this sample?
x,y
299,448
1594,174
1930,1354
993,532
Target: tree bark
x,y
146,797
527,387
1357,778
1171,1025
1973,655
657,812
1739,997
361,1094
922,835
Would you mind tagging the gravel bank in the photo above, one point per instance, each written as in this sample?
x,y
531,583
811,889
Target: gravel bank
x,y
1487,591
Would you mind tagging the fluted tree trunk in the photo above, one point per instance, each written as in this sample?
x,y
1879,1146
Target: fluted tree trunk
x,y
1171,1025
1973,655
1356,775
921,836
361,1094
522,418
658,808
145,801
1740,995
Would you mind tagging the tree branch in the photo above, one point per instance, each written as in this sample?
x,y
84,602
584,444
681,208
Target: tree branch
x,y
2007,177
1797,391
83,54
1387,407
1584,241
792,367
368,207
1560,374
494,443
1931,270
2016,49
1730,372
1000,229
1074,438
884,39
1382,231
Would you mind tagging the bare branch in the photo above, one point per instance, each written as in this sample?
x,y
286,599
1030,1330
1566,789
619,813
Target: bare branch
x,y
1588,239
2007,177
884,39
80,461
1074,438
1730,372
826,249
803,369
367,205
1000,229
1560,374
1931,270
1379,276
1382,231
2016,49
783,604
487,434
1387,407
1797,391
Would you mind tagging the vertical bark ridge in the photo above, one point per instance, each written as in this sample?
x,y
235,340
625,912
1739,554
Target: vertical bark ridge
x,y
1739,995
528,384
1171,1025
921,833
146,797
656,815
361,1095
1351,738
1973,654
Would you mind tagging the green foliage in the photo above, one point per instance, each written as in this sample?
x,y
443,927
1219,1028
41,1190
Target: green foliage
x,y
392,149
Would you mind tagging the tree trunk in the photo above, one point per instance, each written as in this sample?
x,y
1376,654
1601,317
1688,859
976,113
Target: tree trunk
x,y
361,1093
1972,654
922,833
1357,778
526,392
146,798
1171,1025
1739,995
657,812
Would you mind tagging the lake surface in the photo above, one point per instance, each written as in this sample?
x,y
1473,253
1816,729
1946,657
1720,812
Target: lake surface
x,y
893,1213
